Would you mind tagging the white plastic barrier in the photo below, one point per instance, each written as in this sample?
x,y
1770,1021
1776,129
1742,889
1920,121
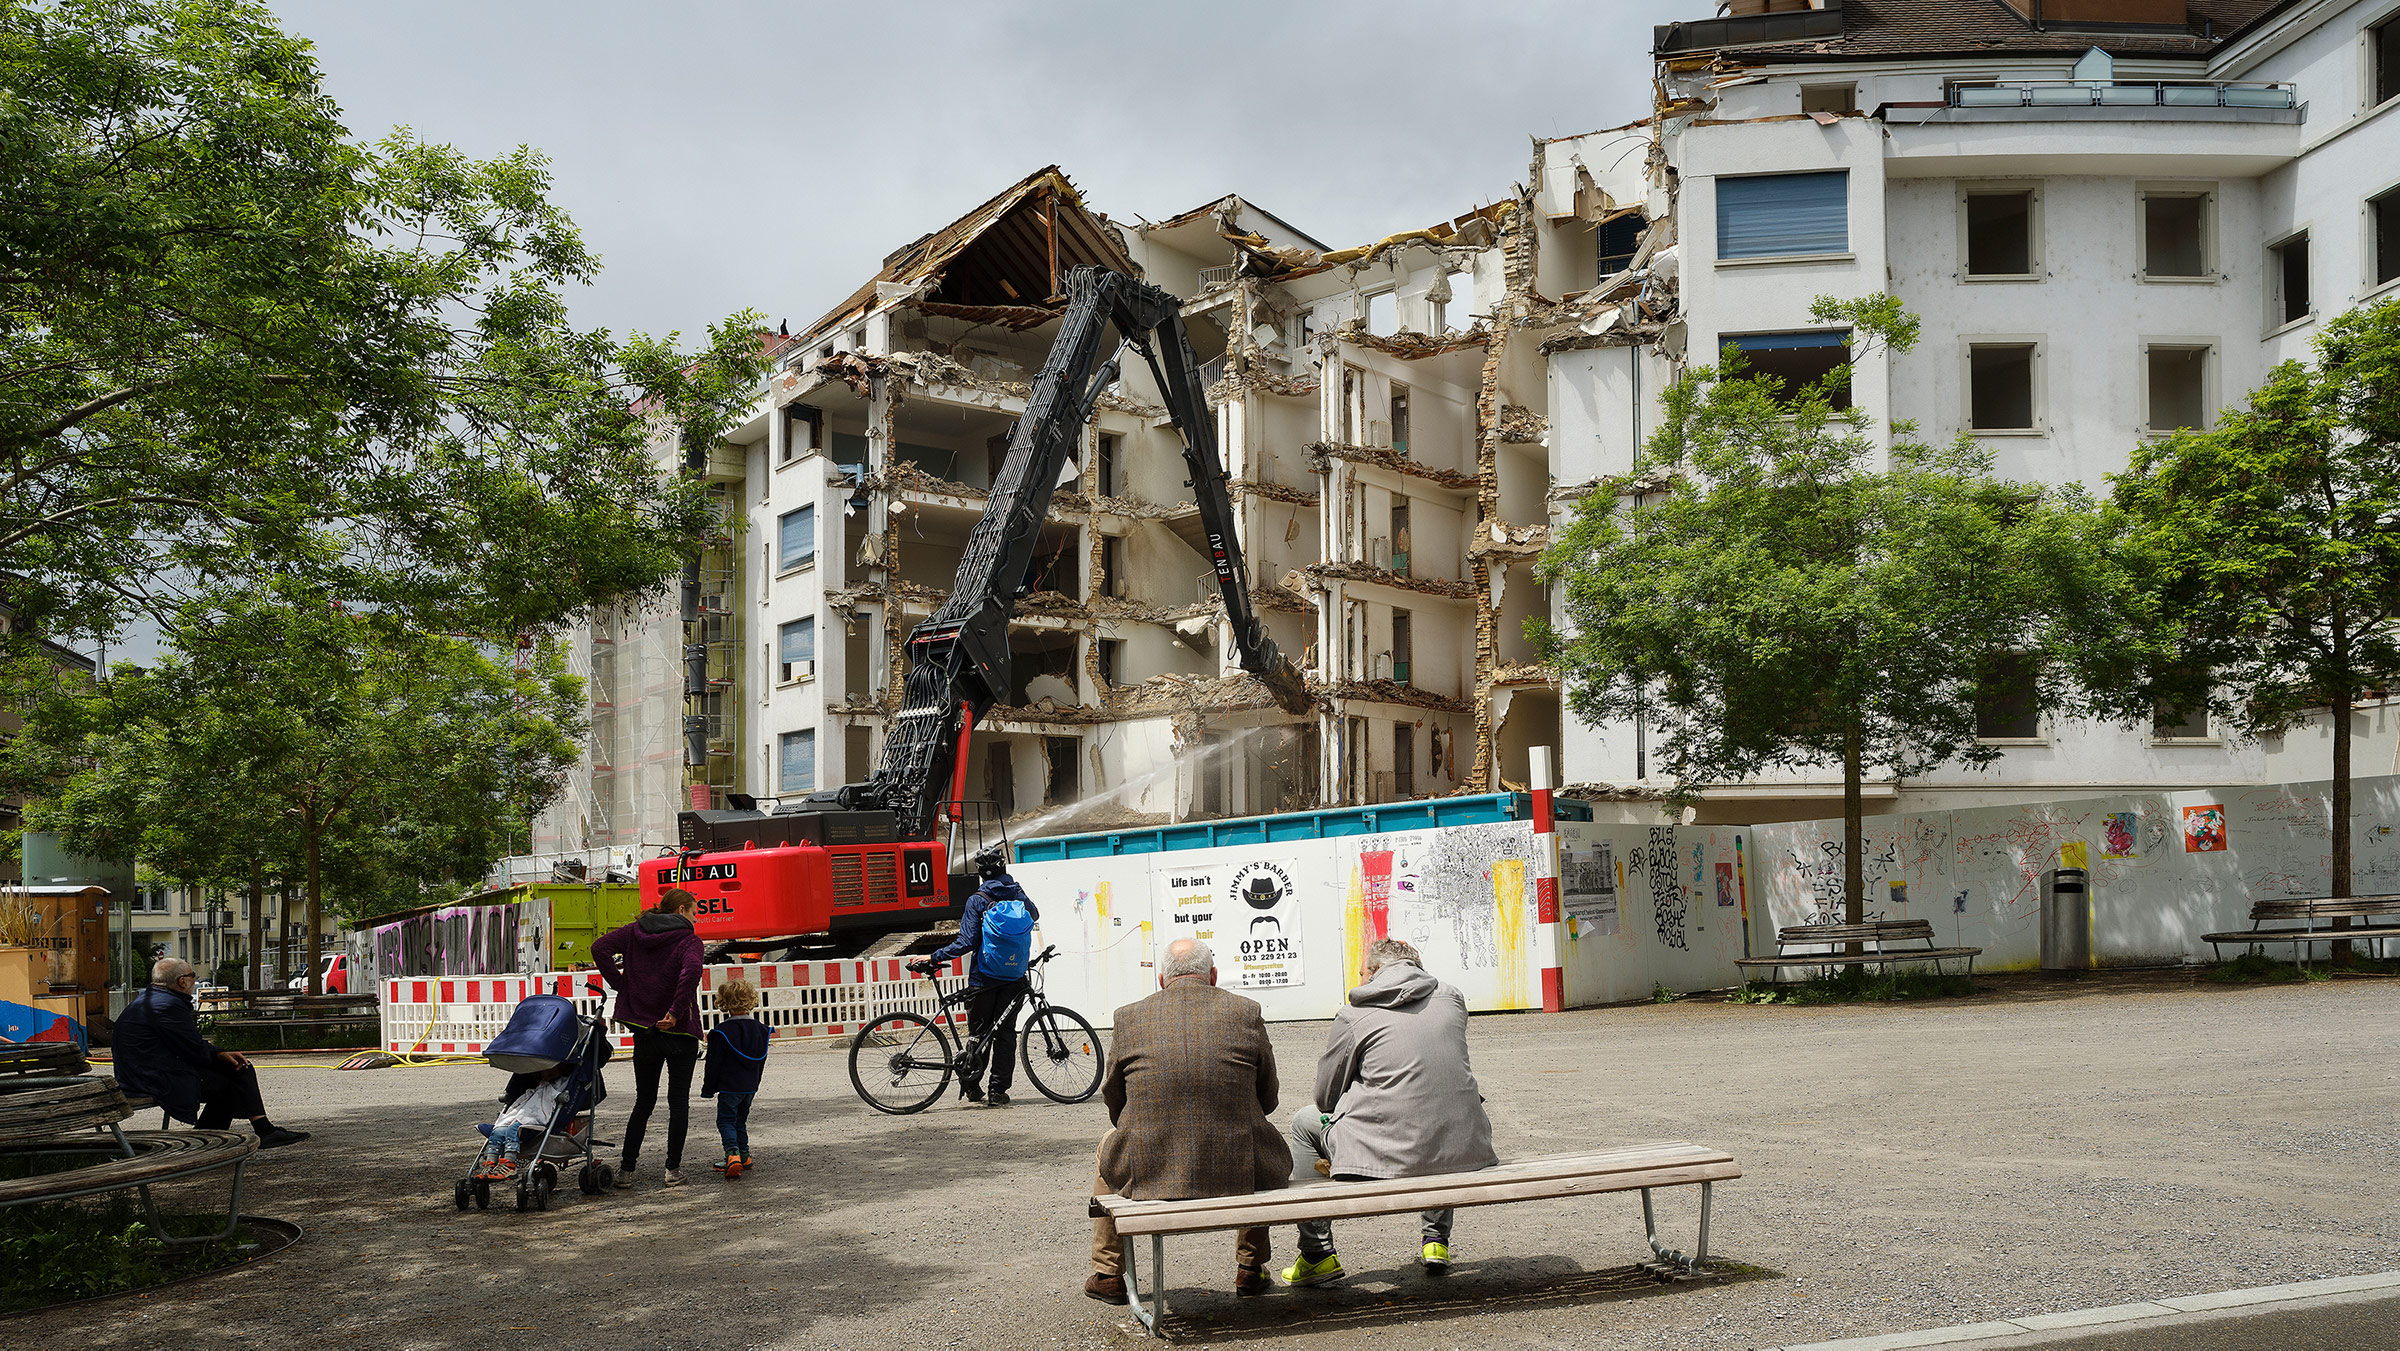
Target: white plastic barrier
x,y
459,1015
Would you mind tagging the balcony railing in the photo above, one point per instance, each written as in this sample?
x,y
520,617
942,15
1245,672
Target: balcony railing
x,y
1217,276
2121,94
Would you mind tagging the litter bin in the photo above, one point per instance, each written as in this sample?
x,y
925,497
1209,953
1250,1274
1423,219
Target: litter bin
x,y
2067,922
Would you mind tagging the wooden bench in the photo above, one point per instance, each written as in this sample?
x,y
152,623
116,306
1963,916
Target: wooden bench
x,y
2313,915
284,1011
25,1063
1644,1169
81,1117
1875,938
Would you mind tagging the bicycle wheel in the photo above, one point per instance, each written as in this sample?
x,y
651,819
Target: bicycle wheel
x,y
900,1063
1062,1055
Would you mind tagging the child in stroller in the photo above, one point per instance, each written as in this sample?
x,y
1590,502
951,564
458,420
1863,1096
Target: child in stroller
x,y
554,1056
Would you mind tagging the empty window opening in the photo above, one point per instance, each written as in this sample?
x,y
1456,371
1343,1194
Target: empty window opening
x,y
2005,704
1383,313
1780,215
1619,238
858,339
2290,275
2178,380
2000,234
850,452
1104,465
1000,777
1111,659
2383,218
1352,378
803,431
1062,767
2175,724
1798,360
2383,52
797,772
858,747
796,650
2174,234
1457,313
1404,760
1403,645
1399,418
1400,551
2000,387
1112,565
1829,98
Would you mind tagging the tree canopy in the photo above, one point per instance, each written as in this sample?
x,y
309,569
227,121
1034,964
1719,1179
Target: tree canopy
x,y
367,760
2271,545
236,342
1769,589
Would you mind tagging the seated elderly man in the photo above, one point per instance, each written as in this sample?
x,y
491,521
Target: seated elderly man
x,y
160,1054
1191,1083
1395,1098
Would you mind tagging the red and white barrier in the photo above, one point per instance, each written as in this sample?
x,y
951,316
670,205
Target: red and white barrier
x,y
459,1015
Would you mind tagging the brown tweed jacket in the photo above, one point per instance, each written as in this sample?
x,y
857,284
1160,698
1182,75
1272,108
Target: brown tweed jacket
x,y
1190,1090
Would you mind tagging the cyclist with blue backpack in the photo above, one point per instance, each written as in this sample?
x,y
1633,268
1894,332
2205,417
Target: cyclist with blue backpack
x,y
998,929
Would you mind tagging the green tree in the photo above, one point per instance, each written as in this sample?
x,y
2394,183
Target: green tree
x,y
2269,548
344,750
1770,590
238,343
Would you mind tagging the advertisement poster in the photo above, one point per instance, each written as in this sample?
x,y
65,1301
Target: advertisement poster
x,y
1261,923
1725,881
1589,890
2204,829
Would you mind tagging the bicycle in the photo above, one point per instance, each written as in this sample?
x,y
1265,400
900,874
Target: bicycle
x,y
1060,1053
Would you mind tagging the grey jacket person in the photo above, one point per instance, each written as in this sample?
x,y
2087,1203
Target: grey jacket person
x,y
1396,1081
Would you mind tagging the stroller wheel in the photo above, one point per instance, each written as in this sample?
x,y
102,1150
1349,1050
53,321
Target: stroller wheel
x,y
524,1198
542,1187
462,1193
483,1194
583,1180
603,1178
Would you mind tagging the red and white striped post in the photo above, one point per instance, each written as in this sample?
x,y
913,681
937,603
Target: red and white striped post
x,y
1548,931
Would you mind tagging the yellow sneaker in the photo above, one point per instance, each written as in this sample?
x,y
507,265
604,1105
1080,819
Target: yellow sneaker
x,y
1437,1259
1308,1270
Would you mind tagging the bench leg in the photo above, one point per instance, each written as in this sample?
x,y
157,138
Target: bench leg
x,y
1158,1282
233,1213
1666,1254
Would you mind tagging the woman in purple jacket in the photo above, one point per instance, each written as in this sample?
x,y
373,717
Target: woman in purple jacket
x,y
654,963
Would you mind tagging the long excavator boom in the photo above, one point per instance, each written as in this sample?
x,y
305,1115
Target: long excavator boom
x,y
958,660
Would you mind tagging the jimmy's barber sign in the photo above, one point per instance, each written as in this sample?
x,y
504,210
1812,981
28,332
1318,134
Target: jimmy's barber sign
x,y
1259,918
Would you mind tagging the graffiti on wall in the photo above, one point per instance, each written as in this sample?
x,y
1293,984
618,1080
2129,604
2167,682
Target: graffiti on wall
x,y
1460,895
467,940
1670,905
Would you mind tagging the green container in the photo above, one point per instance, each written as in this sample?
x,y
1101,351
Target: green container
x,y
579,913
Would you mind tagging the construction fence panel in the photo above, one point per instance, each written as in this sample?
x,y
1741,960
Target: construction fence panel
x,y
460,1015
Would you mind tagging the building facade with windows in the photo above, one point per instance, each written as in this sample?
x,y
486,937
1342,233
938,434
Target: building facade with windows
x,y
2113,218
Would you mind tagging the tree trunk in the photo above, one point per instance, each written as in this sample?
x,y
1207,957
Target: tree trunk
x,y
283,935
1854,863
2341,811
316,904
258,919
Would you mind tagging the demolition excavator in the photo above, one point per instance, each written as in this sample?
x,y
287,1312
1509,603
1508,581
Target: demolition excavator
x,y
892,853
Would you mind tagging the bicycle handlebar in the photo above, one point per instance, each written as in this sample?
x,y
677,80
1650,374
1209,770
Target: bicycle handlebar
x,y
928,971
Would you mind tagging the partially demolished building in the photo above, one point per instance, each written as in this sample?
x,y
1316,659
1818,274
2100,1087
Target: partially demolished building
x,y
2106,209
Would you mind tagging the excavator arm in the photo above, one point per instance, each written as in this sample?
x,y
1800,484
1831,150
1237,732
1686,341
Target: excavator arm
x,y
958,660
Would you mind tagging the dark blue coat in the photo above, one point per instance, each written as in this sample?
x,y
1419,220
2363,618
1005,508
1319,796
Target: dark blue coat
x,y
970,924
160,1053
737,1056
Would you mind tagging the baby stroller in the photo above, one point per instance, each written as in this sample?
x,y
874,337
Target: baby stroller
x,y
544,1032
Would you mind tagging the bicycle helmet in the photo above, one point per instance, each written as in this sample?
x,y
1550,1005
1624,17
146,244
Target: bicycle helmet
x,y
992,862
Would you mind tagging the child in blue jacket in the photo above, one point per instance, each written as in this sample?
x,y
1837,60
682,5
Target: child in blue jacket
x,y
737,1056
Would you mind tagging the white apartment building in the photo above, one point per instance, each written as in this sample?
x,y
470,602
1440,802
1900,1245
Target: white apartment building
x,y
2112,216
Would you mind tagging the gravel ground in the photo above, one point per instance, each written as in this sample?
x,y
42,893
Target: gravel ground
x,y
2038,1148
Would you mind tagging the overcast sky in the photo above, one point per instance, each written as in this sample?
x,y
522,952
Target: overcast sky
x,y
737,153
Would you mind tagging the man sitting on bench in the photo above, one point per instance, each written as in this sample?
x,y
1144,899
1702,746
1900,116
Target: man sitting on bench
x,y
160,1054
1395,1098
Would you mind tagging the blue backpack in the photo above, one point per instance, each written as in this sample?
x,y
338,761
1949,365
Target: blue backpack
x,y
1007,940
